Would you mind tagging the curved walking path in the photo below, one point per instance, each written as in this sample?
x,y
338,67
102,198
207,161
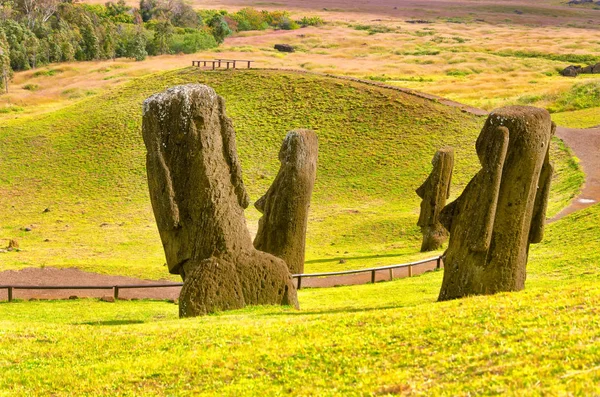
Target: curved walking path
x,y
585,144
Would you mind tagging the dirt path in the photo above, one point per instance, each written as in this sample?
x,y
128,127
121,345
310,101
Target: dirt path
x,y
585,143
50,276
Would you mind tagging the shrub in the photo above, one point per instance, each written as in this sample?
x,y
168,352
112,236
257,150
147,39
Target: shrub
x,y
190,43
373,29
31,87
310,21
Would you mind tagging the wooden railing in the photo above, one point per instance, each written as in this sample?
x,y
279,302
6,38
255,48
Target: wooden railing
x,y
299,277
372,270
217,63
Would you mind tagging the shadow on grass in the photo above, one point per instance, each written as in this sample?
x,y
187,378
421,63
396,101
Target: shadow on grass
x,y
341,310
111,322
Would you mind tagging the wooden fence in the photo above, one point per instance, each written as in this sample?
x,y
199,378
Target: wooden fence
x,y
116,288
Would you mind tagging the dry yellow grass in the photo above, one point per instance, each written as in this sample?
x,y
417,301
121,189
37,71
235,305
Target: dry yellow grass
x,y
466,61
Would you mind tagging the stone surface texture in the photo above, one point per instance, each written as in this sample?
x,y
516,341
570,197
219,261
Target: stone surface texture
x,y
198,198
434,192
285,206
503,208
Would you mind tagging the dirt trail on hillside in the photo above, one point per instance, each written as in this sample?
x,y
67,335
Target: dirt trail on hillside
x,y
50,276
585,143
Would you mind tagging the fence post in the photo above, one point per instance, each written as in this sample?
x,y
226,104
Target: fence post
x,y
116,292
439,263
373,277
299,282
248,64
10,294
391,274
410,271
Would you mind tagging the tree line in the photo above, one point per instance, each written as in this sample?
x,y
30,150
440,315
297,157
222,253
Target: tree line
x,y
38,32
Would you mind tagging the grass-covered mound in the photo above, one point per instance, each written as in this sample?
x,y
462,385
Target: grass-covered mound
x,y
388,338
85,164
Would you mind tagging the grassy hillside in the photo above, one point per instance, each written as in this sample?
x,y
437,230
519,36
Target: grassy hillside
x,y
76,176
383,339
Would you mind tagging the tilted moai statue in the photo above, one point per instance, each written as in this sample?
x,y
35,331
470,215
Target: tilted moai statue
x,y
282,228
434,192
503,208
198,198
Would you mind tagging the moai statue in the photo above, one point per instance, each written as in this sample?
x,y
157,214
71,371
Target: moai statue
x,y
282,228
503,208
434,192
198,198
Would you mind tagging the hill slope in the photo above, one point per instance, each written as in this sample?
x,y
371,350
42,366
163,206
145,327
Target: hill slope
x,y
382,339
85,163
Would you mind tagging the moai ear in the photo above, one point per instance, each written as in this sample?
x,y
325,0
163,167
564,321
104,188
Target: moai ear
x,y
492,146
538,220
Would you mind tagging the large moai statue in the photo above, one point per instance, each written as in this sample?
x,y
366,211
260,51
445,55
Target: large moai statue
x,y
503,208
282,228
434,192
198,198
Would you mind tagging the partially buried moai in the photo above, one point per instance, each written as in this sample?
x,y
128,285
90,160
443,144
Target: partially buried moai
x,y
503,208
198,198
282,228
434,192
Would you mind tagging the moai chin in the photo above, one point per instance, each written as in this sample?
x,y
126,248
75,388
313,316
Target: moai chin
x,y
503,208
282,228
434,192
198,198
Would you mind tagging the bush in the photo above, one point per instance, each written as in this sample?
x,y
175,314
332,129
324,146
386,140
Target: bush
x,y
373,29
250,19
310,21
190,43
31,87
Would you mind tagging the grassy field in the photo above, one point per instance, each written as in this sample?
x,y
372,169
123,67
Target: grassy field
x,y
383,339
73,193
85,165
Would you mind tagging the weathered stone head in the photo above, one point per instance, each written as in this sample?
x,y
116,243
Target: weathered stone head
x,y
434,192
502,210
198,198
191,154
282,228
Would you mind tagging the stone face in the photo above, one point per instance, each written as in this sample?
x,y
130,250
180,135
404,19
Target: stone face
x,y
198,198
503,208
434,192
282,228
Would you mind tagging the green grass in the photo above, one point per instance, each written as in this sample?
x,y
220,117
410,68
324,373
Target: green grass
x,y
585,118
86,164
580,96
382,339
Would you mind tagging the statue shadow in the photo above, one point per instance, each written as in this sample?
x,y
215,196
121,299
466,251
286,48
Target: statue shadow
x,y
111,322
332,311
